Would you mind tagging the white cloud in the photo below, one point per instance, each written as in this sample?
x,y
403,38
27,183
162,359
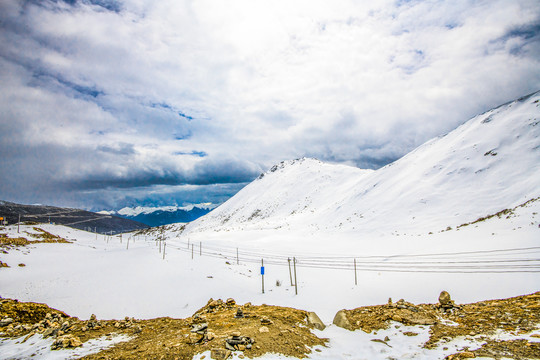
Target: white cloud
x,y
134,91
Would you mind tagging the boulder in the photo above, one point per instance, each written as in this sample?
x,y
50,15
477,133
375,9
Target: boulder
x,y
314,320
341,320
66,341
444,299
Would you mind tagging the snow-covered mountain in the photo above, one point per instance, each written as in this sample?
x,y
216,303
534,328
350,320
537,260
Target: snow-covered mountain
x,y
488,164
156,216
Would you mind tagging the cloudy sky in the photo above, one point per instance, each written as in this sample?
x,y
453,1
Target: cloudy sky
x,y
105,104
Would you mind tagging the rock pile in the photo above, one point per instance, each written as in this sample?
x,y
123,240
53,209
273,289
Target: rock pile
x,y
238,342
213,306
66,341
445,302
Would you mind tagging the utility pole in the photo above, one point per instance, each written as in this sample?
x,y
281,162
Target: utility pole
x,y
19,223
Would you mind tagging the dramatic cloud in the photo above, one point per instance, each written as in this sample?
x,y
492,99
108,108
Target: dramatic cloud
x,y
109,103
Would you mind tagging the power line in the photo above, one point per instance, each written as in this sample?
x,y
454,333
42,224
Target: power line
x,y
451,262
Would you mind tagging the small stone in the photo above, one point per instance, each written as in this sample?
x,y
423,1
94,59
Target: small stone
x,y
241,347
220,354
266,321
5,321
397,318
410,333
93,317
195,338
202,327
466,355
263,329
210,336
84,328
231,302
236,334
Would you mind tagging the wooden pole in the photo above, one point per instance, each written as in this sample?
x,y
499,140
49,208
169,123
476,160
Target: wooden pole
x,y
262,274
191,251
19,223
295,280
200,248
127,247
164,244
355,277
160,246
237,260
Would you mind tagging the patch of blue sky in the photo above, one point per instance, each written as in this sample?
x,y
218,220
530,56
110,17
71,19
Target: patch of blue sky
x,y
192,153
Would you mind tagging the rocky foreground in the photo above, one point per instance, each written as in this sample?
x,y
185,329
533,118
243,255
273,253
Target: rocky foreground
x,y
224,327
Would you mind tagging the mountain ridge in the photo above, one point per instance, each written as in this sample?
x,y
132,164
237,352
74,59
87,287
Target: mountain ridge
x,y
489,163
76,218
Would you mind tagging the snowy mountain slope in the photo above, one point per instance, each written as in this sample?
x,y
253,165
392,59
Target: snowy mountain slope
x,y
490,163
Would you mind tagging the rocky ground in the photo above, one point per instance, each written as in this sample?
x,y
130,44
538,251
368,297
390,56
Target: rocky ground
x,y
224,327
220,326
447,321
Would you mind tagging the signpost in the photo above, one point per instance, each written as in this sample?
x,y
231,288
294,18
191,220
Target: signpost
x,y
262,274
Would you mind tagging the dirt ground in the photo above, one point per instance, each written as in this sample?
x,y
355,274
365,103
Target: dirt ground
x,y
225,326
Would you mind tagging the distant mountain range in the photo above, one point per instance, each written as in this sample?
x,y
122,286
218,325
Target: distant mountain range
x,y
75,218
157,216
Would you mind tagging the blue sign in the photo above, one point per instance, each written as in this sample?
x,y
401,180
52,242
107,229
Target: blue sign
x,y
262,270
